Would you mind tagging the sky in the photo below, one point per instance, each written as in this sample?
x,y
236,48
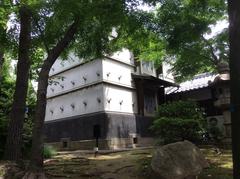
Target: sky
x,y
217,28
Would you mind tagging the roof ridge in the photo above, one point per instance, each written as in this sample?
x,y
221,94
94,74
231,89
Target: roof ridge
x,y
203,75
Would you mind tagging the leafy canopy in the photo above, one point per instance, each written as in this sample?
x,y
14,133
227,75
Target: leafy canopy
x,y
184,25
177,31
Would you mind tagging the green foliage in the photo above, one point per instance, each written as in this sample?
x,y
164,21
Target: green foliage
x,y
186,20
49,152
184,25
6,94
137,35
177,121
5,9
176,32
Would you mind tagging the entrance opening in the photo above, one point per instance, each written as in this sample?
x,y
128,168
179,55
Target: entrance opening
x,y
135,140
97,131
64,144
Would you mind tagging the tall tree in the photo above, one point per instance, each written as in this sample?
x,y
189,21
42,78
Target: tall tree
x,y
14,139
234,37
81,26
37,145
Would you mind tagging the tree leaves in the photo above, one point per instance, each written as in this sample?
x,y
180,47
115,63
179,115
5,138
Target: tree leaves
x,y
183,24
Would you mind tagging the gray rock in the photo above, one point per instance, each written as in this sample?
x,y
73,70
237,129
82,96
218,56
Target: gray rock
x,y
178,160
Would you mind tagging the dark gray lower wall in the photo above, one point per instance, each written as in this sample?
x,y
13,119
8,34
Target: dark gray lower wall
x,y
113,125
143,124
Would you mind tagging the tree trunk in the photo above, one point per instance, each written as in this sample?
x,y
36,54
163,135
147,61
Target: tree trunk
x,y
14,138
1,64
36,163
234,38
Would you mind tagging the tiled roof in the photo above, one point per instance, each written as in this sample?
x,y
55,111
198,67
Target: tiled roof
x,y
199,81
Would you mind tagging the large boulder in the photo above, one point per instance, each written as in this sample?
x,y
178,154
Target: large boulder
x,y
178,160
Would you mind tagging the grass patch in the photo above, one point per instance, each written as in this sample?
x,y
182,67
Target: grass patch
x,y
49,152
220,165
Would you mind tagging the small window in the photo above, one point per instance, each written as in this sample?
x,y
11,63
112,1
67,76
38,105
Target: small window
x,y
65,144
135,140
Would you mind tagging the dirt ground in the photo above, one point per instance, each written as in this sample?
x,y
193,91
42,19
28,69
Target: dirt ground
x,y
119,165
132,164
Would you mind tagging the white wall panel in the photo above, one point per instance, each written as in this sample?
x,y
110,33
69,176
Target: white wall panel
x,y
64,102
124,56
117,72
79,76
91,96
61,65
119,99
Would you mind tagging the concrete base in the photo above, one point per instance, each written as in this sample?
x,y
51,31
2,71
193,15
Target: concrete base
x,y
104,144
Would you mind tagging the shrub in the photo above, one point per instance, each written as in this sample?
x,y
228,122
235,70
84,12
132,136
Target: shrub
x,y
176,121
49,152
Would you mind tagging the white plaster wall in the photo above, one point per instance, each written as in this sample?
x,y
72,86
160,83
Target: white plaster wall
x,y
116,72
74,78
114,96
167,74
90,96
61,65
59,107
123,55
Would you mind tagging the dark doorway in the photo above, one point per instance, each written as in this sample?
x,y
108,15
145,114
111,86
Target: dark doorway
x,y
97,131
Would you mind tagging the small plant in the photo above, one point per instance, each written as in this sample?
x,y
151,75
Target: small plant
x,y
49,152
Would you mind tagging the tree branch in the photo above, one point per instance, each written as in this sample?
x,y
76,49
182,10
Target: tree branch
x,y
41,34
55,52
204,56
216,60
